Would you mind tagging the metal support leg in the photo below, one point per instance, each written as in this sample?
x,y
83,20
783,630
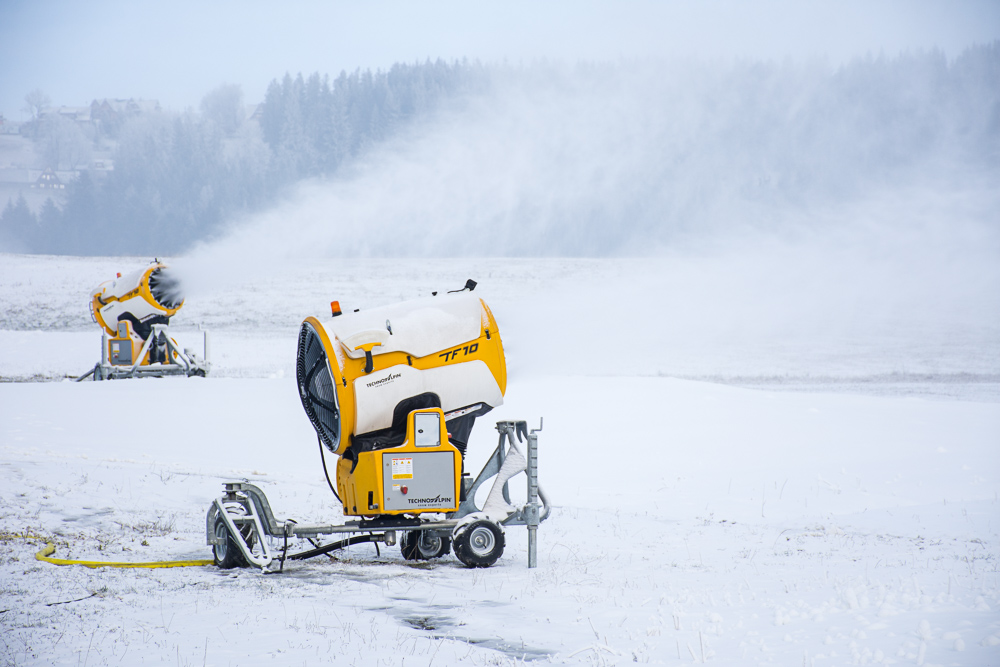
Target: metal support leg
x,y
142,352
105,358
531,510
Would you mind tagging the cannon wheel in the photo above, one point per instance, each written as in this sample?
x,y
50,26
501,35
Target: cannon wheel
x,y
226,552
479,544
423,545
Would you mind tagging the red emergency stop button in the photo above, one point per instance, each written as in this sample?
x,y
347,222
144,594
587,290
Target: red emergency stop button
x,y
404,489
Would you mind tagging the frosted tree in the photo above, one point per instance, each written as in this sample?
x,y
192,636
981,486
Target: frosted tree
x,y
18,222
224,107
35,102
65,145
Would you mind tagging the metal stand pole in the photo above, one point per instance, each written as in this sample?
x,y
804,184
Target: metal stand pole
x,y
105,358
531,510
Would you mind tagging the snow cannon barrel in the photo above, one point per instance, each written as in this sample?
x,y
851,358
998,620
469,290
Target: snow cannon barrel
x,y
144,297
360,374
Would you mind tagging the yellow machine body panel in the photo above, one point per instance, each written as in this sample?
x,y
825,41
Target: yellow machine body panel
x,y
424,474
123,348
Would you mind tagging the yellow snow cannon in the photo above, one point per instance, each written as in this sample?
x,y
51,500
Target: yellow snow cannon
x,y
134,312
393,392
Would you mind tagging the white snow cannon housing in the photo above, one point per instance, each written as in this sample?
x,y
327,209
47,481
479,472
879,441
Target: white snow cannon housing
x,y
362,374
134,311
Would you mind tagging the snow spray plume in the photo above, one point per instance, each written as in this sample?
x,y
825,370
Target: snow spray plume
x,y
631,159
761,216
165,286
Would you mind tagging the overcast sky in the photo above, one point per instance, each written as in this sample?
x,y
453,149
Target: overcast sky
x,y
177,51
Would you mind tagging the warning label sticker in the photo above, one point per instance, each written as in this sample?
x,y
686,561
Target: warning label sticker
x,y
402,468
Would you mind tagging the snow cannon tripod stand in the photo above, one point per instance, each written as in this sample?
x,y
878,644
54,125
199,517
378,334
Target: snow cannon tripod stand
x,y
243,531
158,356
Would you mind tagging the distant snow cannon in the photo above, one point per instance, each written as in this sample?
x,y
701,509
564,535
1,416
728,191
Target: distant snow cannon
x,y
394,392
134,311
142,298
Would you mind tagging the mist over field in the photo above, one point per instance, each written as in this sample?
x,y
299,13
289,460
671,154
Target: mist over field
x,y
622,158
796,202
640,158
758,206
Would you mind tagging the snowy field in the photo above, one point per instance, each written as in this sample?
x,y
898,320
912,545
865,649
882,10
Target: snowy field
x,y
749,465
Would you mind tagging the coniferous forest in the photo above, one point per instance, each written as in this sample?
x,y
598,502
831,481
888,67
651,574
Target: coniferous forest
x,y
760,131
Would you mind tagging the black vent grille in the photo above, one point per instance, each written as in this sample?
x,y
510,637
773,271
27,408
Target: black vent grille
x,y
319,396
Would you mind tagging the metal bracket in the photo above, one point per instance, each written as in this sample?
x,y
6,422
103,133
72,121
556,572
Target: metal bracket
x,y
533,512
234,522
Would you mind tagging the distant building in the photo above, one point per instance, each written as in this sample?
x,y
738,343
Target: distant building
x,y
101,166
48,180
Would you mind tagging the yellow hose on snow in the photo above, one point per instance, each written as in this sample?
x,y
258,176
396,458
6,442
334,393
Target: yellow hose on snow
x,y
50,549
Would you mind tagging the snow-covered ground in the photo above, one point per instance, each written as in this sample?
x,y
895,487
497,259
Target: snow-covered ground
x,y
748,467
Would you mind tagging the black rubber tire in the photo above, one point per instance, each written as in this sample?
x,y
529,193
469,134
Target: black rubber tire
x,y
479,544
226,555
423,545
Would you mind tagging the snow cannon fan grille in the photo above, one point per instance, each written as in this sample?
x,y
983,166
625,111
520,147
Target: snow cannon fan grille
x,y
319,396
165,288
